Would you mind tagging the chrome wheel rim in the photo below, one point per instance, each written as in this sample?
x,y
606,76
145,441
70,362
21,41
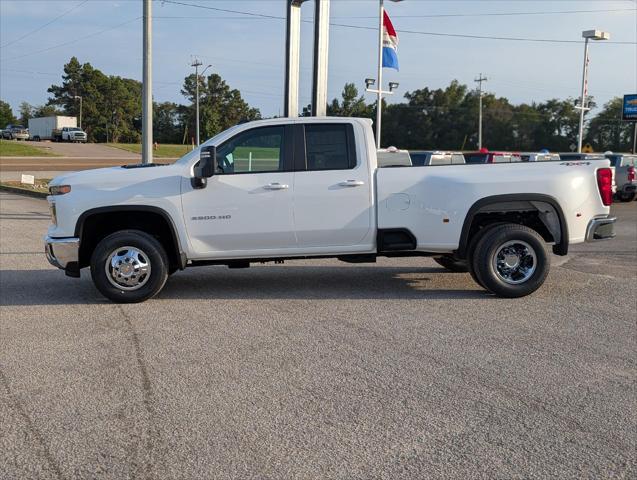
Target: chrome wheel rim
x,y
515,262
128,268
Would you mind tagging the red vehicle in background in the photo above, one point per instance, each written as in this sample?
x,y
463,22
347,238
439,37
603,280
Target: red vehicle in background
x,y
485,156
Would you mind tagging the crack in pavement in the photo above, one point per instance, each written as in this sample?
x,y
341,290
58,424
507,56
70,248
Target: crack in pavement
x,y
17,405
147,393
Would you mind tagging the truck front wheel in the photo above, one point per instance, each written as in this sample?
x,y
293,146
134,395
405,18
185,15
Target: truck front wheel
x,y
511,260
129,266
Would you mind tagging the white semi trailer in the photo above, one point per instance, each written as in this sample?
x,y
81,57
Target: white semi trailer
x,y
57,128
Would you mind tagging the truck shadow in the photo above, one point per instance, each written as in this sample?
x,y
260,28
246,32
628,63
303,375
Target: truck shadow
x,y
51,287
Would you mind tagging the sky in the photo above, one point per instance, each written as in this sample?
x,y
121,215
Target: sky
x,y
37,37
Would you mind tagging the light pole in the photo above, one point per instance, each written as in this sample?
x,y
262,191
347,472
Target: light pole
x,y
479,81
80,97
587,35
370,82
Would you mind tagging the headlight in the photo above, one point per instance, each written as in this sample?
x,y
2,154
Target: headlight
x,y
59,189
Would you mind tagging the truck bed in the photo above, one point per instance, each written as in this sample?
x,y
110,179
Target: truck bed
x,y
433,202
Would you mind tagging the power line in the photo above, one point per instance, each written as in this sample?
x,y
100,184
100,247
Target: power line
x,y
45,25
415,32
260,15
505,14
70,42
226,10
480,37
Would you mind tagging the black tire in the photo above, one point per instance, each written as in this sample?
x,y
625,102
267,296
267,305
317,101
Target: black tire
x,y
490,245
627,197
452,264
471,248
155,256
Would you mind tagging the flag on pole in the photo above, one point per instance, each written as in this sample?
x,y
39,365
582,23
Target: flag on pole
x,y
390,44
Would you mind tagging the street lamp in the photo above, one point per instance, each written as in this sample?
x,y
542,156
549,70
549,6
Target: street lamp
x,y
586,35
76,97
370,82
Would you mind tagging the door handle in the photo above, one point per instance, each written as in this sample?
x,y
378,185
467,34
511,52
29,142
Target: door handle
x,y
352,183
276,186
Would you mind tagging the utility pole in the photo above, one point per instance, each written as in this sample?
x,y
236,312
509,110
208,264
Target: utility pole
x,y
147,86
196,63
479,81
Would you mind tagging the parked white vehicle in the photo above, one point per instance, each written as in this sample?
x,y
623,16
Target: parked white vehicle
x,y
540,157
282,189
393,157
57,128
432,158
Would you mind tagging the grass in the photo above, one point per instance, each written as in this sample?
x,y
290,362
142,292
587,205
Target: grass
x,y
13,148
162,151
41,185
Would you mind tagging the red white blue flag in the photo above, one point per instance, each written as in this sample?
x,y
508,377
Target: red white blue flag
x,y
390,44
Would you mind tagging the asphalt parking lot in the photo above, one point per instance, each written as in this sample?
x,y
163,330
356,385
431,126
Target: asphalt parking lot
x,y
317,369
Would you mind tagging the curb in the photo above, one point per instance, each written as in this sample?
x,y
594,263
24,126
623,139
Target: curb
x,y
22,191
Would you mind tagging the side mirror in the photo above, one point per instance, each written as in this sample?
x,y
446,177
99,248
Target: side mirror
x,y
206,167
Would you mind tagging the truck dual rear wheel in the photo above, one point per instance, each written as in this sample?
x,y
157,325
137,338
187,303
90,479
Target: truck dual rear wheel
x,y
129,266
511,260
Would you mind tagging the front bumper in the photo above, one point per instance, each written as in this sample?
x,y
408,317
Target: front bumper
x,y
602,228
63,253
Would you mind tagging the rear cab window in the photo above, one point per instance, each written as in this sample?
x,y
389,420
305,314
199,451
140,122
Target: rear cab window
x,y
329,146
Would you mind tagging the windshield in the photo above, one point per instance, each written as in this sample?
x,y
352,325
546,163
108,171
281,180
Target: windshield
x,y
75,129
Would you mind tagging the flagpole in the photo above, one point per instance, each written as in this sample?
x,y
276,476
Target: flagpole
x,y
379,101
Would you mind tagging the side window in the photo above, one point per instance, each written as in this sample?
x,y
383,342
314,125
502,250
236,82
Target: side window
x,y
254,151
329,147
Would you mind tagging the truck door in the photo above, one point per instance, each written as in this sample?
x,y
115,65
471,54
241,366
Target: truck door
x,y
246,208
333,204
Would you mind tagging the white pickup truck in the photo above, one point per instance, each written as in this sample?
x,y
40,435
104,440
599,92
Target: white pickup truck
x,y
282,189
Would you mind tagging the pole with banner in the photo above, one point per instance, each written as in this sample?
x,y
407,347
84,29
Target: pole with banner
x,y
379,93
388,58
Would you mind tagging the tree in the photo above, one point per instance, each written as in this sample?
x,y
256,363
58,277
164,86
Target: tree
x,y
351,104
46,111
607,131
111,105
26,112
220,107
168,123
6,114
